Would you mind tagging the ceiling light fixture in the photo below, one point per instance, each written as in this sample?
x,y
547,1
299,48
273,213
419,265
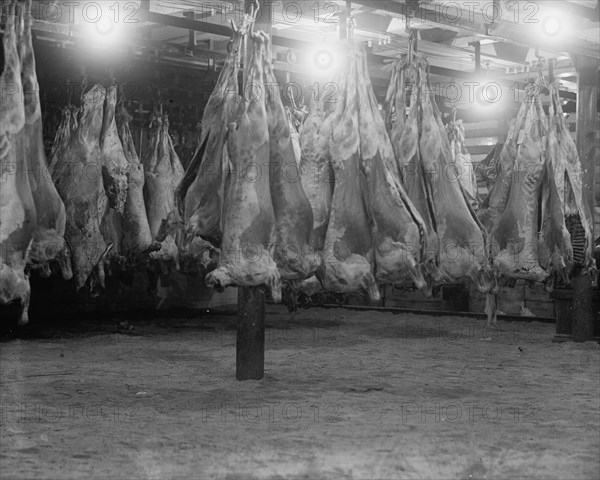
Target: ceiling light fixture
x,y
552,26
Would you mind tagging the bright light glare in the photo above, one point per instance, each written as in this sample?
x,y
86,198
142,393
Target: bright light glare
x,y
551,26
104,26
104,32
323,60
488,95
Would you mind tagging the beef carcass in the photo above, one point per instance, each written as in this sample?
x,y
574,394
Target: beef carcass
x,y
114,163
397,226
200,195
487,170
413,170
455,241
163,172
295,258
115,171
394,108
248,219
495,203
462,161
317,175
295,135
61,138
136,230
316,171
349,256
515,233
562,248
463,243
48,237
77,175
17,211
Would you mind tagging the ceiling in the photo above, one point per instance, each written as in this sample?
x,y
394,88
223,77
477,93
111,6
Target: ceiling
x,y
511,42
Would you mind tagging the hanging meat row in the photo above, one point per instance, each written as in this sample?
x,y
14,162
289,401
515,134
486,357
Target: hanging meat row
x,y
536,214
366,228
456,242
32,218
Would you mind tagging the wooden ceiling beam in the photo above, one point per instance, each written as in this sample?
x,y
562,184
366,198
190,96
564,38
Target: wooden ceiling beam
x,y
471,22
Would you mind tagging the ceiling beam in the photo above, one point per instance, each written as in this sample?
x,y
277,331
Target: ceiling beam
x,y
474,23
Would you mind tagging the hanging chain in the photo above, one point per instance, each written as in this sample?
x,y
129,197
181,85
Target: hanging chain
x,y
351,26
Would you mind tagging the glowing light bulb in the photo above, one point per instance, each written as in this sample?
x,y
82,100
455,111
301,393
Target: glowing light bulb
x,y
323,59
551,26
104,26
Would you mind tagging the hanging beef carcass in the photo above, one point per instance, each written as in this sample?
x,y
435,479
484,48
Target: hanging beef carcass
x,y
405,136
349,256
17,211
200,195
48,237
397,226
136,230
295,258
462,160
77,175
114,163
455,241
295,135
566,235
248,219
487,170
463,247
163,172
515,229
61,138
316,171
495,203
317,174
394,108
115,171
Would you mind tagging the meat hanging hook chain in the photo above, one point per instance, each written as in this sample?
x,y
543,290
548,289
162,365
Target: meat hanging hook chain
x,y
541,76
351,26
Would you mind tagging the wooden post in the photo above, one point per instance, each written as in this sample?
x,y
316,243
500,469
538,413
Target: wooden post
x,y
250,347
587,147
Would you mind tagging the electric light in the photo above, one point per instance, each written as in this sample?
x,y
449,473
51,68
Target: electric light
x,y
105,25
551,26
324,59
103,34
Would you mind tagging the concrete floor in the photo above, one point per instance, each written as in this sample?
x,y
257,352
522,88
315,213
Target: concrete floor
x,y
346,395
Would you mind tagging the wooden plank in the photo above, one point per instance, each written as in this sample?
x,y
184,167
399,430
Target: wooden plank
x,y
473,131
510,300
481,141
480,149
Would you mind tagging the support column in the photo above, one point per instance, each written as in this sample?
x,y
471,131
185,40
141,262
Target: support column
x,y
250,346
587,147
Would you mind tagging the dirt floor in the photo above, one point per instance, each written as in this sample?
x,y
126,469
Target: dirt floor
x,y
346,395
